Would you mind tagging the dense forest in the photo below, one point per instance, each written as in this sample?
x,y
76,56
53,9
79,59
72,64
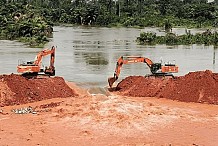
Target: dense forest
x,y
32,20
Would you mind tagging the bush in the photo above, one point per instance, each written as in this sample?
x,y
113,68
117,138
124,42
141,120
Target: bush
x,y
147,38
207,38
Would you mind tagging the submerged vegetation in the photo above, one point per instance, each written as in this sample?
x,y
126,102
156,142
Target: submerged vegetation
x,y
31,21
207,38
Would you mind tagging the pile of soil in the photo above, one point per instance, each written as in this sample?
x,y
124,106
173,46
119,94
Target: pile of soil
x,y
15,89
198,86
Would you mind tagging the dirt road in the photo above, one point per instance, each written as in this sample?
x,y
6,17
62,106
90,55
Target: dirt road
x,y
99,119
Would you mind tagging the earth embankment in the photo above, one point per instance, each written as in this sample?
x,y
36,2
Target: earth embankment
x,y
15,89
200,86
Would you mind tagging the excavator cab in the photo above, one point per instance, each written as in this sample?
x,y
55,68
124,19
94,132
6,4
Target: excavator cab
x,y
49,71
155,67
24,63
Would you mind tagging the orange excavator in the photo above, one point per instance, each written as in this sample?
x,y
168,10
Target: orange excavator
x,y
34,67
157,69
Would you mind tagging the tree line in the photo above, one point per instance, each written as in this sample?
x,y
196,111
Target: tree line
x,y
196,13
35,18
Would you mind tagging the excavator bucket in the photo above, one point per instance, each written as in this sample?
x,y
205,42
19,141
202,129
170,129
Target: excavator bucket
x,y
111,80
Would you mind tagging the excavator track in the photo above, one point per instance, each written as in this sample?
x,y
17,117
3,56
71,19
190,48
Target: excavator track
x,y
35,76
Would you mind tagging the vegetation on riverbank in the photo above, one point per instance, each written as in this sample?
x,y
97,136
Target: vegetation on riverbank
x,y
19,21
207,38
30,20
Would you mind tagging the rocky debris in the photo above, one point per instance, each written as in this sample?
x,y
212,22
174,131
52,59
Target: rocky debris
x,y
200,86
15,89
25,110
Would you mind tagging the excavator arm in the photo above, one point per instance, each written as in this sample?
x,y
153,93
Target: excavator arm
x,y
127,60
51,69
43,53
154,67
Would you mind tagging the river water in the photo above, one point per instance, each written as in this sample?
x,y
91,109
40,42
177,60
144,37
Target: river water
x,y
88,55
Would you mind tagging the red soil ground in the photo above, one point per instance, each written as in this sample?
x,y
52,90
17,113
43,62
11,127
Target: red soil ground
x,y
110,119
198,86
15,89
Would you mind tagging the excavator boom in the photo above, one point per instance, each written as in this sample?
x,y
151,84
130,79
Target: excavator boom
x,y
157,69
127,60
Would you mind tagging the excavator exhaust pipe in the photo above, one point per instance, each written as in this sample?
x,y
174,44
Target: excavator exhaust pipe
x,y
111,80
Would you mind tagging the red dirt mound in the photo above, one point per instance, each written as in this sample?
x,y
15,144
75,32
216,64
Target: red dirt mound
x,y
198,86
15,89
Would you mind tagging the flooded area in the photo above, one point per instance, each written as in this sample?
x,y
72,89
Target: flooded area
x,y
88,55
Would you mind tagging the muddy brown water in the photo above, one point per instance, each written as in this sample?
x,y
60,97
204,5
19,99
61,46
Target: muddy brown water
x,y
88,55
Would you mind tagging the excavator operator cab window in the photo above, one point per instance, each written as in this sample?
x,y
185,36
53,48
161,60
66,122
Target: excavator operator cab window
x,y
23,63
170,63
30,62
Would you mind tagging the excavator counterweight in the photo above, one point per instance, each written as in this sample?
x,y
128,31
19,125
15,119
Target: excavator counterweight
x,y
157,69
